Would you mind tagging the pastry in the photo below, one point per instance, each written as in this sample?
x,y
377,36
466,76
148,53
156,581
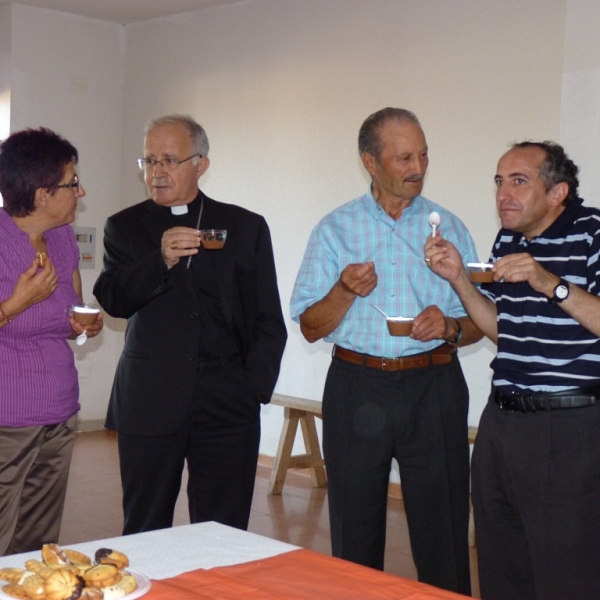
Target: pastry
x,y
15,590
114,557
102,576
47,570
128,583
107,556
63,585
68,574
34,565
79,560
114,592
88,593
11,574
33,584
53,555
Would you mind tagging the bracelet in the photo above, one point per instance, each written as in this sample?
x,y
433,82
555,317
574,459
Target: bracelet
x,y
4,315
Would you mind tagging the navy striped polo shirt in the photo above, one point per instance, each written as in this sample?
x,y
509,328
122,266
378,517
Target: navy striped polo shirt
x,y
540,347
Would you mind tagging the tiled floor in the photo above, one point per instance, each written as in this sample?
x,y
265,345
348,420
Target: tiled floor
x,y
299,516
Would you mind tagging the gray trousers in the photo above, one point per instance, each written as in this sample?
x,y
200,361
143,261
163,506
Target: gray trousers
x,y
34,471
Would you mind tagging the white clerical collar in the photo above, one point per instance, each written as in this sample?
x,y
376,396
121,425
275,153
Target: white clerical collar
x,y
179,210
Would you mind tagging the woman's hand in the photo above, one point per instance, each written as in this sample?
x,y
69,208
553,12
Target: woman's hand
x,y
92,330
32,286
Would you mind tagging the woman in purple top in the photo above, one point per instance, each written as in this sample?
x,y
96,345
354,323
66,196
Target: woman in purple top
x,y
39,279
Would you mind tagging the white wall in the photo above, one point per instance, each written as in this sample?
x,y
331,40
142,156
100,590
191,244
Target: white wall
x,y
5,42
283,86
580,115
67,74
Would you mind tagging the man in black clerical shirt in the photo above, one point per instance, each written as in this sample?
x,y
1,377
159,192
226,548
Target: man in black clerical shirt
x,y
204,339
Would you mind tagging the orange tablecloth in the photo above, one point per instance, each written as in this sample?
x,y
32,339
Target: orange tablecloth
x,y
297,575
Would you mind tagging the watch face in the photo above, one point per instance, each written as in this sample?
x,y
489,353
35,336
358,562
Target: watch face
x,y
561,292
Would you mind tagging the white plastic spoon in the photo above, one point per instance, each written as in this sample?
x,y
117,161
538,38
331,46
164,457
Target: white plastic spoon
x,y
434,221
377,308
81,339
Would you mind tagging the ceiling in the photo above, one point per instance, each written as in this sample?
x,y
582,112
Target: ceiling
x,y
123,11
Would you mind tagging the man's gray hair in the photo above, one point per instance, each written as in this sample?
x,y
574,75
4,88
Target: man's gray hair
x,y
369,139
196,131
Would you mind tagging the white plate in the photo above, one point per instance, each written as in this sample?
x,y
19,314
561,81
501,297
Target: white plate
x,y
144,585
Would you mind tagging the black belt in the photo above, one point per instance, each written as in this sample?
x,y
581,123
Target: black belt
x,y
534,401
210,364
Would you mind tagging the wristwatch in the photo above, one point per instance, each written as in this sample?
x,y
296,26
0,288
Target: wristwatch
x,y
561,292
459,334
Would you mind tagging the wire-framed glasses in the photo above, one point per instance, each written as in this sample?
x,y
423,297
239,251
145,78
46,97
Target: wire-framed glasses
x,y
170,163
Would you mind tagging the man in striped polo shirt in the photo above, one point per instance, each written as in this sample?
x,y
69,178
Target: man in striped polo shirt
x,y
536,463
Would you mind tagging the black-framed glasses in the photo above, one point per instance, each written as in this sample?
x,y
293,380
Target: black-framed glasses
x,y
73,185
168,164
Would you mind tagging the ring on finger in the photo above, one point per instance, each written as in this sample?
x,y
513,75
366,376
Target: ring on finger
x,y
427,260
173,245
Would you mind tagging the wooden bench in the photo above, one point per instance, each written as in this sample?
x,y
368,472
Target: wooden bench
x,y
303,411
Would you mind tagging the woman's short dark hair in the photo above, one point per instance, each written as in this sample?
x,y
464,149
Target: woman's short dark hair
x,y
32,159
556,168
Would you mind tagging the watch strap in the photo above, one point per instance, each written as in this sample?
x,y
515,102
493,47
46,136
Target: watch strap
x,y
459,333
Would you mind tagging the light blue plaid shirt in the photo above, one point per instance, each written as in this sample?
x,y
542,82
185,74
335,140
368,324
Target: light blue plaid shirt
x,y
362,231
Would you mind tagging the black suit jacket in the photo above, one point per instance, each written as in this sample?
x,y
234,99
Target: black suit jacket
x,y
154,382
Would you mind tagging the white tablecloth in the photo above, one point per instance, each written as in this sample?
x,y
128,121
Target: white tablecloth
x,y
169,552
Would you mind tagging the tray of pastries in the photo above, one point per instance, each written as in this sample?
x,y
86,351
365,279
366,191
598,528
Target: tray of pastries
x,y
64,574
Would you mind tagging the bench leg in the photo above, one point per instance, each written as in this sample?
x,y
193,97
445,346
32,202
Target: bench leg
x,y
472,540
311,443
284,451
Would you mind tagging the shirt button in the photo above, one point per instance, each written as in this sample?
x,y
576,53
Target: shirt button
x,y
192,356
194,315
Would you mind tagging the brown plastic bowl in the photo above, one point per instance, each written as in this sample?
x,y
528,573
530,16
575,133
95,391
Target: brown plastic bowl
x,y
400,326
480,272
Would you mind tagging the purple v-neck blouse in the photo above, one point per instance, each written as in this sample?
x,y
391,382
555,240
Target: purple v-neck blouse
x,y
38,379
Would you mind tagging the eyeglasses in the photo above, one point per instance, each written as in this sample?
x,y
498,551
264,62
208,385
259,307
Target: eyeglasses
x,y
168,164
73,185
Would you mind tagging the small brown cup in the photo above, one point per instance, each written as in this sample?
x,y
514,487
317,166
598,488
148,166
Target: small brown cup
x,y
399,325
213,239
480,272
84,314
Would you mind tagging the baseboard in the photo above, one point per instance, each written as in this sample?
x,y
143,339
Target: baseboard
x,y
268,461
87,425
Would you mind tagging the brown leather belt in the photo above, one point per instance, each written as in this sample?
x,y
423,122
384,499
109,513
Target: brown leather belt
x,y
438,356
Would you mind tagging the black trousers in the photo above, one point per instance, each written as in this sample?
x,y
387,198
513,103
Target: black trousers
x,y
219,441
536,500
418,417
